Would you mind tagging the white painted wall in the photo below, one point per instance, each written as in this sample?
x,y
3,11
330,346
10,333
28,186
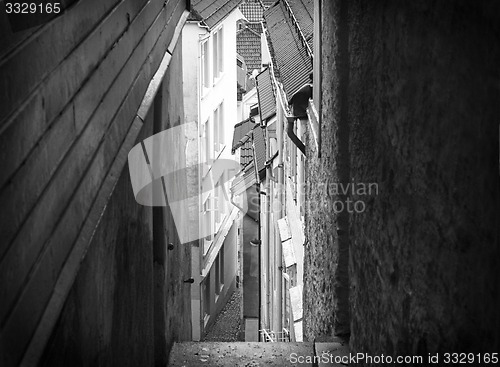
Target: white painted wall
x,y
199,105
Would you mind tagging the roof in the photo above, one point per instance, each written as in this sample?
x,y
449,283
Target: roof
x,y
248,45
252,10
246,153
259,148
249,138
290,52
303,11
212,12
265,95
243,140
244,180
242,132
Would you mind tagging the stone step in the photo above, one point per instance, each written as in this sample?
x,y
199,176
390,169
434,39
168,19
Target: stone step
x,y
241,354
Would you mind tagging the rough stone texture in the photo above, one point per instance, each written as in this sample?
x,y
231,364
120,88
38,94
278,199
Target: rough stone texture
x,y
243,354
228,324
331,352
423,115
322,252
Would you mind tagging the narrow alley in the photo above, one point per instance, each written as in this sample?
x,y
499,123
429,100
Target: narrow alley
x,y
228,324
249,183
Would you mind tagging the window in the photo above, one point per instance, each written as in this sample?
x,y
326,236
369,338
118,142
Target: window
x,y
217,204
206,296
286,303
218,126
205,147
221,265
217,53
208,140
216,130
217,275
219,271
208,218
205,69
220,202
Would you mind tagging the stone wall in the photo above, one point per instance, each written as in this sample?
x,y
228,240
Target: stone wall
x,y
422,95
326,251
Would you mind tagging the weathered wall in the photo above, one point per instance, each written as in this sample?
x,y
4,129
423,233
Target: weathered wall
x,y
129,302
69,97
423,118
177,263
424,125
113,287
325,292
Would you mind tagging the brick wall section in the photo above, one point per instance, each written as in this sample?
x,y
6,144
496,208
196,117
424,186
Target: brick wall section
x,y
69,95
423,114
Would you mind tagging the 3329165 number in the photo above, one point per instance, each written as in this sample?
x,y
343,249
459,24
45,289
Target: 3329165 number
x,y
32,8
466,358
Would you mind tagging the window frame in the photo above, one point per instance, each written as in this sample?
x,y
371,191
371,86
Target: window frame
x,y
205,65
217,54
219,271
206,298
208,217
218,128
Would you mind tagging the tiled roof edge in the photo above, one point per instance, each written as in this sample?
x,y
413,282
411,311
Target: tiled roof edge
x,y
236,5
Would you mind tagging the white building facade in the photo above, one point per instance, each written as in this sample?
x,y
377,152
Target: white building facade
x,y
209,87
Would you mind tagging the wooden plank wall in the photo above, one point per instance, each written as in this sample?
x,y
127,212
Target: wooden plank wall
x,y
69,94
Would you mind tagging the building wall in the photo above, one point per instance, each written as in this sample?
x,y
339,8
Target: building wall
x,y
172,267
325,291
217,302
113,286
191,34
70,93
199,107
422,113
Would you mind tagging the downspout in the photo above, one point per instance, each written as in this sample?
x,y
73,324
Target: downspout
x,y
260,268
294,138
305,89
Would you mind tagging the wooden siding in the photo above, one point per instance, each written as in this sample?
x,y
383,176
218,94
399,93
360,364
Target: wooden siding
x,y
69,95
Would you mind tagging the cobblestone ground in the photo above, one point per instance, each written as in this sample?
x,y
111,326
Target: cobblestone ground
x,y
228,324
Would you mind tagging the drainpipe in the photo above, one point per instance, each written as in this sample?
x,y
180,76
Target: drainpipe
x,y
260,267
294,138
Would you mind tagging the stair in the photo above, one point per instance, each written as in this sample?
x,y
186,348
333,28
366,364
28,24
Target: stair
x,y
253,354
244,354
